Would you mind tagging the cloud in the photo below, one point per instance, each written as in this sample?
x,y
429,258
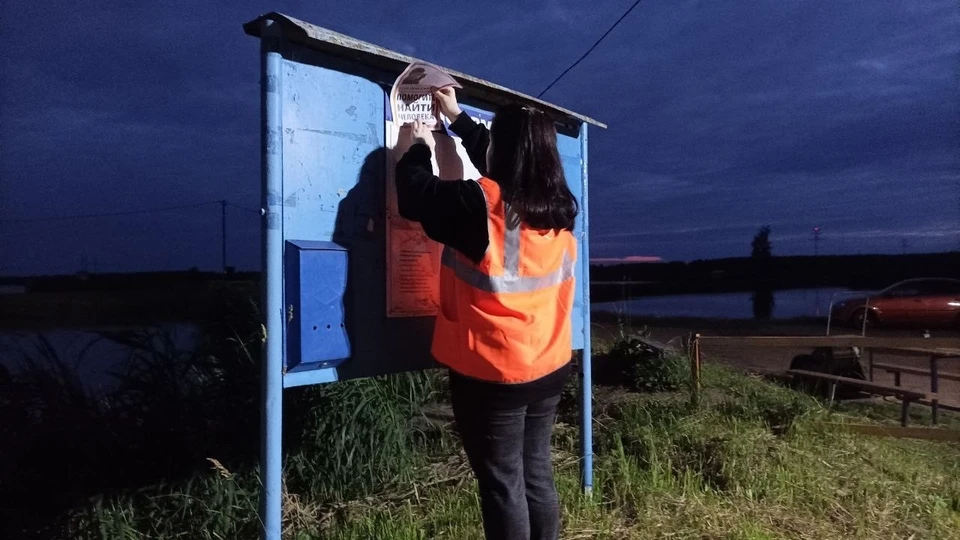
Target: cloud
x,y
873,65
723,115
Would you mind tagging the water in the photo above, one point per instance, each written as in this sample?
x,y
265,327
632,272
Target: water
x,y
90,356
94,357
788,304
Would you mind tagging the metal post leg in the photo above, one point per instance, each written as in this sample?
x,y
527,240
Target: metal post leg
x,y
271,376
934,388
586,381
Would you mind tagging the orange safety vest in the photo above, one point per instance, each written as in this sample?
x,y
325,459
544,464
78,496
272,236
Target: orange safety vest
x,y
507,319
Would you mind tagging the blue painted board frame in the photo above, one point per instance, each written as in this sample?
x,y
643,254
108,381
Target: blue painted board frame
x,y
323,174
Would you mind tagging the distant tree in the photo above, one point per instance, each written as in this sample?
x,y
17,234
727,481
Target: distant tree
x,y
763,302
762,248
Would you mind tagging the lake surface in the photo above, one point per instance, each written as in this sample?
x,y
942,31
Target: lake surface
x,y
89,356
788,304
92,357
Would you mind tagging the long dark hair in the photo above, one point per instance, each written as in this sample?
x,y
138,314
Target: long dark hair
x,y
525,162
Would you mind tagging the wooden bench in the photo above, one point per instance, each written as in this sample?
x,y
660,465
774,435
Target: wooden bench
x,y
897,370
904,395
934,355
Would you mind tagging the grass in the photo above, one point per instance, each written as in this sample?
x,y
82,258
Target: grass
x,y
753,461
756,462
355,440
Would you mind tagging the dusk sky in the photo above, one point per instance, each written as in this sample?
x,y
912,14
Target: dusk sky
x,y
724,116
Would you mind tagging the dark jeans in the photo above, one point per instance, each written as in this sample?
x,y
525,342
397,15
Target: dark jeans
x,y
509,451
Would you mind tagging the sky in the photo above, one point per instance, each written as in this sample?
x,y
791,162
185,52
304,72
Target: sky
x,y
724,116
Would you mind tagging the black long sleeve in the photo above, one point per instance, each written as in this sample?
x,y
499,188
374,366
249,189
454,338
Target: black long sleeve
x,y
475,139
452,212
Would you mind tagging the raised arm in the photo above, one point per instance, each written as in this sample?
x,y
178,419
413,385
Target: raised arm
x,y
475,136
452,212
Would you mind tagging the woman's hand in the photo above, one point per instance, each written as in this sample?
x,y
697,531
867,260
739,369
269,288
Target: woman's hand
x,y
447,100
421,133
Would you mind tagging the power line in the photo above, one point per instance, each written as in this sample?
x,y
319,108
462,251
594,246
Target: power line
x,y
590,50
111,214
237,206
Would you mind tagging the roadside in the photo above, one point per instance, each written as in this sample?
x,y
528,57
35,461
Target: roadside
x,y
608,327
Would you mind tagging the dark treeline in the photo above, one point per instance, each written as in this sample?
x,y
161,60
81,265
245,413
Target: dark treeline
x,y
866,272
743,274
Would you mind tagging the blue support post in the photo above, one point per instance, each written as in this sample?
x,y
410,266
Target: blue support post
x,y
271,460
586,379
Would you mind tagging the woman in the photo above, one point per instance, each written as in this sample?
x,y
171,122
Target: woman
x,y
506,292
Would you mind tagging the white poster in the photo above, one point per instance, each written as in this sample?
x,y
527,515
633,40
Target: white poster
x,y
411,97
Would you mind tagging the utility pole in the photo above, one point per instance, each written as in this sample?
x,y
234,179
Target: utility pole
x,y
223,234
816,252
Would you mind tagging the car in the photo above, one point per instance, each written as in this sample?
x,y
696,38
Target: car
x,y
933,302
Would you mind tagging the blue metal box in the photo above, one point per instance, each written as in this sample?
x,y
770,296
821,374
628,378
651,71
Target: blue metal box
x,y
316,286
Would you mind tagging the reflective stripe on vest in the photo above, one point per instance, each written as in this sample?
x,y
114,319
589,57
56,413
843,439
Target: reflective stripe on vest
x,y
510,282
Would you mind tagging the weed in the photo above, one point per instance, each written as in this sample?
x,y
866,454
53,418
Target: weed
x,y
755,461
631,360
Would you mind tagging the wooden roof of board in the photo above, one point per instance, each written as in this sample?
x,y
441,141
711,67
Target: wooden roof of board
x,y
337,44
